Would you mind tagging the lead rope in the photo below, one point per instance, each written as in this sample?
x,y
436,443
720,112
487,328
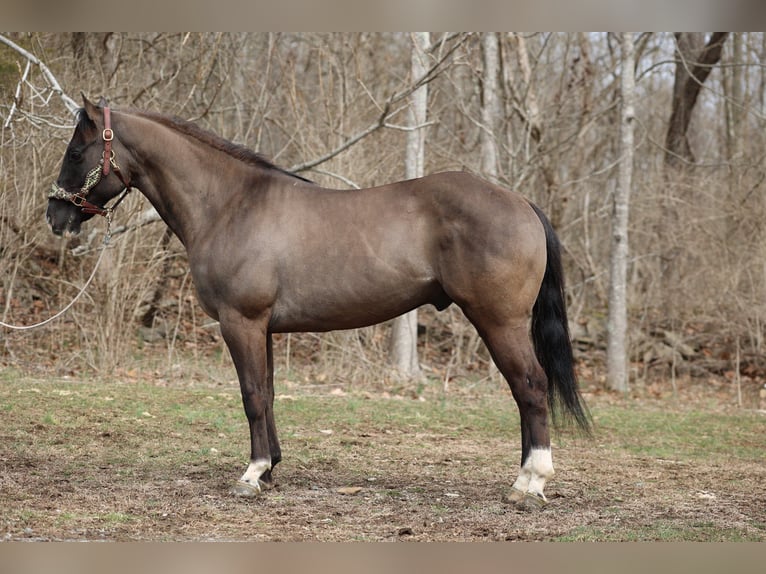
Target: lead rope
x,y
104,245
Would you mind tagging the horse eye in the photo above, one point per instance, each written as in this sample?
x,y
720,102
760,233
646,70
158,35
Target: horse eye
x,y
75,155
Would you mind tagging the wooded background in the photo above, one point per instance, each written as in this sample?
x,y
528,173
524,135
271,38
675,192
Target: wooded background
x,y
540,116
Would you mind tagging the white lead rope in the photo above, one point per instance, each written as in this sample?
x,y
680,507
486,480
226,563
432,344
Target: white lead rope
x,y
73,301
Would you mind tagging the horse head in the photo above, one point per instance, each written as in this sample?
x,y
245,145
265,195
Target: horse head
x,y
86,181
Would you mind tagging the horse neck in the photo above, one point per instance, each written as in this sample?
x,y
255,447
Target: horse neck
x,y
184,179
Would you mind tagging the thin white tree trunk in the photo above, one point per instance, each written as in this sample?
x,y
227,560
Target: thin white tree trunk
x,y
617,327
490,109
490,117
404,334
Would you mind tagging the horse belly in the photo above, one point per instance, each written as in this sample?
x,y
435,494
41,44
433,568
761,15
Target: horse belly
x,y
349,297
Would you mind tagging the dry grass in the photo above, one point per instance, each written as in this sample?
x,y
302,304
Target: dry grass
x,y
697,241
133,460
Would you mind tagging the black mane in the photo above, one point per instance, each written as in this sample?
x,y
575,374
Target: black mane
x,y
237,151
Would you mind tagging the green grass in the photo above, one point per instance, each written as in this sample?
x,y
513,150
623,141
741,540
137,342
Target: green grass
x,y
451,417
100,435
683,435
213,418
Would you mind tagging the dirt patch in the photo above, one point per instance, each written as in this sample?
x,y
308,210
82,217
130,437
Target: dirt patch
x,y
433,478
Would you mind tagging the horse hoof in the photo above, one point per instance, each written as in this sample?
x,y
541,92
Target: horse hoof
x,y
531,502
515,496
245,489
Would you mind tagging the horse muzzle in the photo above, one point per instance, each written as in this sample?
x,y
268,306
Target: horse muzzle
x,y
64,218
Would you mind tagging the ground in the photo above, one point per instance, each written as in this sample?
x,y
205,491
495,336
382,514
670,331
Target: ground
x,y
151,458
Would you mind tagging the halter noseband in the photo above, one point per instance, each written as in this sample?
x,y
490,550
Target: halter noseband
x,y
94,176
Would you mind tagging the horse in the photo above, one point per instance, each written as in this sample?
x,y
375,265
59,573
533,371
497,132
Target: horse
x,y
272,252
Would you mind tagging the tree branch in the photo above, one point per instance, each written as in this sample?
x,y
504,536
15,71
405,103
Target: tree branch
x,y
387,111
70,104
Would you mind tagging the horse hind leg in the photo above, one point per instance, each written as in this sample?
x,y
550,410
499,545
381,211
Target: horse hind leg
x,y
512,351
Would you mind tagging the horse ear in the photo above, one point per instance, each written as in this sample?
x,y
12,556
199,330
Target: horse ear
x,y
90,108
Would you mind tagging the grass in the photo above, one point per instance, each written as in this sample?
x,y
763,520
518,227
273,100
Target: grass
x,y
688,435
122,460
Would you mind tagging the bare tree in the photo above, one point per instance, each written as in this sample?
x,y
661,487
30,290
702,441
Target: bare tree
x,y
306,100
529,110
734,86
696,60
617,328
404,342
52,81
490,108
490,116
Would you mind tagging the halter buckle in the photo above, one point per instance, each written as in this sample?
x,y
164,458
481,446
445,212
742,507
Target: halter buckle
x,y
108,135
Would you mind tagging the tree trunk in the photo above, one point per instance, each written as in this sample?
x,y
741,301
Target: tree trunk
x,y
490,119
490,105
404,341
617,327
695,62
762,90
735,96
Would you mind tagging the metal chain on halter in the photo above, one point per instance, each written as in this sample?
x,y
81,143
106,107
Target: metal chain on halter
x,y
104,245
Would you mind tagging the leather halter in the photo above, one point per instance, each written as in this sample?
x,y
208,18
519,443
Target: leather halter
x,y
94,176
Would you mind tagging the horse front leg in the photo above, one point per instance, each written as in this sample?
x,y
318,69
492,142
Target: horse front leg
x,y
248,342
274,448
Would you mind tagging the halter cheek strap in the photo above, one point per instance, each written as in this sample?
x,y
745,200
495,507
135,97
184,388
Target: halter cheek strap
x,y
108,136
94,176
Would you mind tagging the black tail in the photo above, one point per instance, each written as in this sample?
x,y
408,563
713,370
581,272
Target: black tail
x,y
550,334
